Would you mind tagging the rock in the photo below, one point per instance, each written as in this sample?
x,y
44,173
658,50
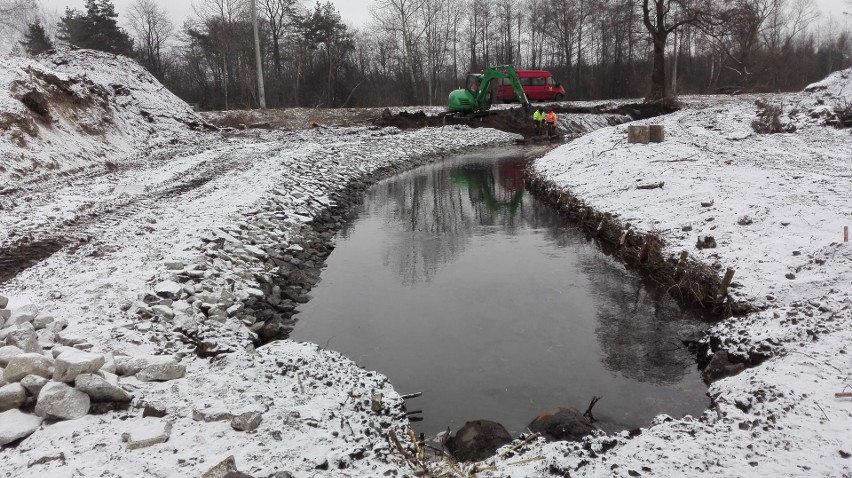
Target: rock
x,y
214,414
34,384
227,468
147,432
163,311
174,265
24,339
22,365
720,366
707,242
12,396
23,314
58,401
161,372
69,340
707,203
477,440
4,316
4,301
562,423
126,366
155,409
7,352
109,363
168,290
73,362
47,459
43,321
246,422
101,389
376,403
15,425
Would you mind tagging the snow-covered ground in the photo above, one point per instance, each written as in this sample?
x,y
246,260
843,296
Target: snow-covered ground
x,y
168,229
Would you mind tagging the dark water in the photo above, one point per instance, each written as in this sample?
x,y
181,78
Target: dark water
x,y
454,281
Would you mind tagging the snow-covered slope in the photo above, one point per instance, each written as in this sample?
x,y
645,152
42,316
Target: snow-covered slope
x,y
73,110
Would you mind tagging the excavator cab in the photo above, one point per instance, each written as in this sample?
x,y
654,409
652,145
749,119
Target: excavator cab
x,y
476,96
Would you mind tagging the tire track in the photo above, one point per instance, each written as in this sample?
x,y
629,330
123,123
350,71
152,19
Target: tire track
x,y
36,246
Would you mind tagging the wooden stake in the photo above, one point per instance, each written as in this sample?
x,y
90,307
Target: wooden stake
x,y
726,282
622,238
680,262
644,250
845,233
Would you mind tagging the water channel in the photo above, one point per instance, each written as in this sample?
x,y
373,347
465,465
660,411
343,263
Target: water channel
x,y
452,280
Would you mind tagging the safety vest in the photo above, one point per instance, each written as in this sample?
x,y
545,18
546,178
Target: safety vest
x,y
551,117
538,116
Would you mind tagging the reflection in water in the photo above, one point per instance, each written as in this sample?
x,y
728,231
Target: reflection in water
x,y
453,281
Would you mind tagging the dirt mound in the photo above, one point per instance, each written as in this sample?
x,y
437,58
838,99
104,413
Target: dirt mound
x,y
832,99
63,110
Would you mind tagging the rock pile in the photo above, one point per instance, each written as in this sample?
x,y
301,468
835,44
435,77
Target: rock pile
x,y
46,374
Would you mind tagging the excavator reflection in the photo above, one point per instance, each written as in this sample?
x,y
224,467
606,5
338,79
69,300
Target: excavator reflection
x,y
482,185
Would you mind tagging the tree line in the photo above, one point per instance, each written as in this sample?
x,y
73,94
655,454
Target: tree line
x,y
416,51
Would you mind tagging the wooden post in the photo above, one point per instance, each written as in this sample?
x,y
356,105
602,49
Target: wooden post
x,y
845,233
726,282
638,134
601,225
643,251
680,262
622,238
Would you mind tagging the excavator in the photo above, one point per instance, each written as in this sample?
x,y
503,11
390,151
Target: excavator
x,y
475,98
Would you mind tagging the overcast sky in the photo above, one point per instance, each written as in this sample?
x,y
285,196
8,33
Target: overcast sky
x,y
353,12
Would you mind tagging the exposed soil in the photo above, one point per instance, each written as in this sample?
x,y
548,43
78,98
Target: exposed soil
x,y
518,120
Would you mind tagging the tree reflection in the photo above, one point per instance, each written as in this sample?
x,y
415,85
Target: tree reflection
x,y
434,212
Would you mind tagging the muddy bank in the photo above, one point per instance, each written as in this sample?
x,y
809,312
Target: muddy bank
x,y
518,120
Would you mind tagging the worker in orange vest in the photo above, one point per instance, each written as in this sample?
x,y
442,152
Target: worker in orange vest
x,y
550,119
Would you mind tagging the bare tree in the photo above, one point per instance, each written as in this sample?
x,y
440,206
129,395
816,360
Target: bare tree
x,y
153,29
15,15
661,18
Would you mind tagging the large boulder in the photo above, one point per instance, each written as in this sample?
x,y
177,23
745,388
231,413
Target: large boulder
x,y
12,396
161,372
15,425
34,384
477,440
147,432
25,364
562,423
168,290
25,339
58,401
7,352
26,313
73,362
101,389
4,301
126,366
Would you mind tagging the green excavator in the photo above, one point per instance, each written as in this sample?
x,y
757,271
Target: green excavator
x,y
477,94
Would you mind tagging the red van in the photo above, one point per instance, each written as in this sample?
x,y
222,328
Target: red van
x,y
538,85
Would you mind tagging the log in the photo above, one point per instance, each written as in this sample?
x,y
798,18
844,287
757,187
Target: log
x,y
843,395
412,395
651,185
